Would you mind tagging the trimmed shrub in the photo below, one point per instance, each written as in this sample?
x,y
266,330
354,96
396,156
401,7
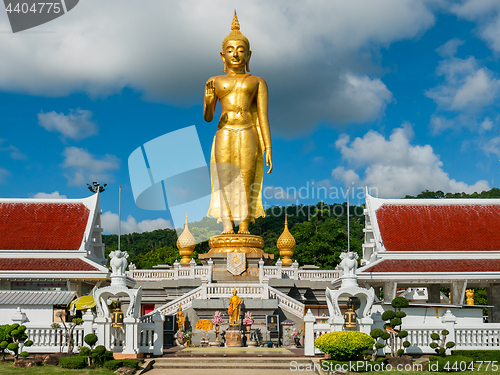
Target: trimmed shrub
x,y
73,362
24,354
90,339
114,364
344,345
132,363
452,364
84,351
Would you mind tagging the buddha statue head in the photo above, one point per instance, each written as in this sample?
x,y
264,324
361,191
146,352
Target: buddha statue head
x,y
236,48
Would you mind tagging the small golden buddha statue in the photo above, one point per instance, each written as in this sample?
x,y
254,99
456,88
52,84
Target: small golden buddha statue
x,y
242,136
180,318
470,296
234,308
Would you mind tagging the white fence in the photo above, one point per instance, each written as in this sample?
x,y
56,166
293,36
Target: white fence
x,y
47,340
192,271
485,336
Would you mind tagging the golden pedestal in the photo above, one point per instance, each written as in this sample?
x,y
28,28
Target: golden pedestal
x,y
236,243
234,339
224,244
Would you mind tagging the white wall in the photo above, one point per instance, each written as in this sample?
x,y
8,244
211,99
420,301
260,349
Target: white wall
x,y
39,315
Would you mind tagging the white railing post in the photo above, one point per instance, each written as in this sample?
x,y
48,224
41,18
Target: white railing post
x,y
261,270
279,264
309,321
204,283
295,268
176,270
88,322
210,269
265,289
192,265
449,321
158,335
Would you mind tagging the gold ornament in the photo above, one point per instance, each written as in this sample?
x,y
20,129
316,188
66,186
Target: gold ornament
x,y
186,244
286,245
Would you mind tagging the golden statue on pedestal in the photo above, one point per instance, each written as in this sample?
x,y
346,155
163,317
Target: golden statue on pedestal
x,y
234,308
180,318
242,136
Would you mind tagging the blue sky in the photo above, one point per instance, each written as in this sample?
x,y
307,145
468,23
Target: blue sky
x,y
397,95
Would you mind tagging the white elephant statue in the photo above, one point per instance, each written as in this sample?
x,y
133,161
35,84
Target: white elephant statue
x,y
118,262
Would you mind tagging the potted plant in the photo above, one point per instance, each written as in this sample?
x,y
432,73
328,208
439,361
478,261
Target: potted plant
x,y
248,321
217,321
295,336
182,336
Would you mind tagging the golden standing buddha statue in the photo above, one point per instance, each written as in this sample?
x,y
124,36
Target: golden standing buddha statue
x,y
242,136
234,308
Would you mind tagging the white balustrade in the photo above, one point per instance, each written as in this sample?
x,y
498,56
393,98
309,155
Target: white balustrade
x,y
287,303
48,340
146,337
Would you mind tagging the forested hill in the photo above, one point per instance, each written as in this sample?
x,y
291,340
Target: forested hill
x,y
319,230
493,193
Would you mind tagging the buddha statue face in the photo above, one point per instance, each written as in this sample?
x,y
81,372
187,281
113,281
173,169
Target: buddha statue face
x,y
235,55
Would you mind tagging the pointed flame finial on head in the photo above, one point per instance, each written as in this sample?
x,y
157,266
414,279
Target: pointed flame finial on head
x,y
235,25
235,33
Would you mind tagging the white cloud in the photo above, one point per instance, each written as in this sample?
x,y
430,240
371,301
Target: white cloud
x,y
450,47
439,123
54,195
322,69
109,222
277,192
486,13
76,125
395,167
3,175
13,151
467,87
85,167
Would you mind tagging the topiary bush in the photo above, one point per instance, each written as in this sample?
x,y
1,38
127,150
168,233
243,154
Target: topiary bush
x,y
84,351
390,334
114,364
90,339
344,345
73,362
440,348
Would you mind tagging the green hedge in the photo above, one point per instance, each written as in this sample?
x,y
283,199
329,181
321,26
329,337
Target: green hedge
x,y
452,364
73,362
479,355
115,364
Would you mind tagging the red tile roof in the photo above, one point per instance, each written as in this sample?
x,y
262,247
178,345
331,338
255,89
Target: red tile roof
x,y
436,265
42,226
45,264
453,227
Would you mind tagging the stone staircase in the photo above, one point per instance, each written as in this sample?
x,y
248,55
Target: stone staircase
x,y
233,365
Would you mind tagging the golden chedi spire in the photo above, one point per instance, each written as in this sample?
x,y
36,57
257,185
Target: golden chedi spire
x,y
286,245
186,244
235,33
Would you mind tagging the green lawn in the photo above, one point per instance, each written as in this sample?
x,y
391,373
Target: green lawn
x,y
7,368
